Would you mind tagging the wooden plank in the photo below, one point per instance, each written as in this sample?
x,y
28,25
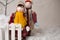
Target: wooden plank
x,y
13,32
19,32
7,33
1,36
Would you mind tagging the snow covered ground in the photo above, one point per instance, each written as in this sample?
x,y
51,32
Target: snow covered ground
x,y
49,33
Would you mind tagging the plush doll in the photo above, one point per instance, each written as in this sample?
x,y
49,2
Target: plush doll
x,y
28,6
19,16
31,15
21,19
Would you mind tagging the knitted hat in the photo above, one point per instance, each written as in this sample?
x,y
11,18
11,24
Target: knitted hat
x,y
28,1
20,3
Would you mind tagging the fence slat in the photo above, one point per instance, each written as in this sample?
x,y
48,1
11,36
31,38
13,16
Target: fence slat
x,y
19,32
1,36
7,33
13,32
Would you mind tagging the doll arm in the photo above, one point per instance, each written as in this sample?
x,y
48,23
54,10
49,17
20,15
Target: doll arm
x,y
11,18
34,16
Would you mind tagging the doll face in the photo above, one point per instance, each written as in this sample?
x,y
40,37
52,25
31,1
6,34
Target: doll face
x,y
28,5
20,9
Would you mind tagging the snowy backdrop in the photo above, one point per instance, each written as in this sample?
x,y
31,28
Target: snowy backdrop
x,y
48,15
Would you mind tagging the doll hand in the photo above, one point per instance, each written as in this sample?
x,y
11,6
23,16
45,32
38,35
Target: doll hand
x,y
12,25
17,25
36,25
28,28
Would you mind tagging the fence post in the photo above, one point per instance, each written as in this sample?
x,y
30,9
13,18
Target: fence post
x,y
7,32
13,32
19,32
1,36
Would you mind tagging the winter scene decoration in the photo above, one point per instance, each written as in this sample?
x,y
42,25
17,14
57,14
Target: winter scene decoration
x,y
29,19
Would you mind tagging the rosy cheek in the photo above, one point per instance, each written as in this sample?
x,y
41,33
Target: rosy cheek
x,y
18,10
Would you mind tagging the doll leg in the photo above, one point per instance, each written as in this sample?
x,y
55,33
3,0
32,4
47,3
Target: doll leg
x,y
24,34
29,33
9,34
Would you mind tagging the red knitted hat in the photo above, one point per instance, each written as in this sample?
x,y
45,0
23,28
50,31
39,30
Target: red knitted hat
x,y
28,1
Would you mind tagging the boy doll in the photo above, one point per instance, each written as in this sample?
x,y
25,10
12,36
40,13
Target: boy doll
x,y
31,16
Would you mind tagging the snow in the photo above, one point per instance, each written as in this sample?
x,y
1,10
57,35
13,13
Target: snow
x,y
3,20
49,33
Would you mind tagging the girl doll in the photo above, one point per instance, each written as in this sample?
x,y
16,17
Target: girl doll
x,y
19,16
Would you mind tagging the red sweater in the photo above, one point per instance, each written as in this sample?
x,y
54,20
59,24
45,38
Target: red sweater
x,y
34,16
12,18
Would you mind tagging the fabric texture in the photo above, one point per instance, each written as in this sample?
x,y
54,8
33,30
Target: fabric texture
x,y
20,19
12,18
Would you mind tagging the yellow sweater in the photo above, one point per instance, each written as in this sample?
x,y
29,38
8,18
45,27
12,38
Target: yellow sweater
x,y
20,19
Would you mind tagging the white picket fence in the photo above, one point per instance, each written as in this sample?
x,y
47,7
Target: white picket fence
x,y
4,32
